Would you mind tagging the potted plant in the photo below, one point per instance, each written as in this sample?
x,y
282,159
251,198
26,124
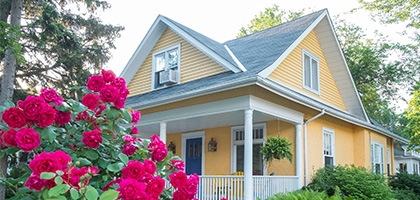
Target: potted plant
x,y
276,148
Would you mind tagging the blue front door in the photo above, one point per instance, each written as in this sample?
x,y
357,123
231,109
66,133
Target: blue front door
x,y
193,156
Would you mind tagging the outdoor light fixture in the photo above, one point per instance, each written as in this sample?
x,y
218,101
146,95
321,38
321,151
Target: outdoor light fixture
x,y
172,147
212,145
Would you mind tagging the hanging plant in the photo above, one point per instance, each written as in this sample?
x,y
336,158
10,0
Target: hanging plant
x,y
276,148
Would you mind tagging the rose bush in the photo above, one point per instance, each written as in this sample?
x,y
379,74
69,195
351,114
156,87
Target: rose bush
x,y
89,149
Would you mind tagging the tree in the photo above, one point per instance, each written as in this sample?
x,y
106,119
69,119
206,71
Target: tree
x,y
270,17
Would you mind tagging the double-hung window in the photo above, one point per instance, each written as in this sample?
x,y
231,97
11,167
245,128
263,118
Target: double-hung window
x,y
328,146
310,71
258,138
377,157
166,67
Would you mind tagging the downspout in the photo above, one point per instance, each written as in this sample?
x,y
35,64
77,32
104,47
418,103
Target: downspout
x,y
306,143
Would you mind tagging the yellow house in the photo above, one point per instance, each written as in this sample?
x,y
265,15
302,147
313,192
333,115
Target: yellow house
x,y
290,81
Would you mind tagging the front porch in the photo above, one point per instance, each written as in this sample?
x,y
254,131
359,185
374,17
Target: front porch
x,y
232,186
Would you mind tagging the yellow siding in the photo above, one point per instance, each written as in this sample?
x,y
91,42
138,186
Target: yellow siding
x,y
218,163
193,65
289,72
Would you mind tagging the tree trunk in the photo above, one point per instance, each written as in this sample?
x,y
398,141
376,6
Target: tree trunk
x,y
8,80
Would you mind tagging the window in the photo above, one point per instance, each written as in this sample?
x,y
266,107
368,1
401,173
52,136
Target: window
x,y
403,167
328,143
258,138
377,157
388,161
310,72
166,67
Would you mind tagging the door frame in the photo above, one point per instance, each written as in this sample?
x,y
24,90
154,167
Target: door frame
x,y
185,136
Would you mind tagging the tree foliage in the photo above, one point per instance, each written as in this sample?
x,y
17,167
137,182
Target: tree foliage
x,y
63,42
270,17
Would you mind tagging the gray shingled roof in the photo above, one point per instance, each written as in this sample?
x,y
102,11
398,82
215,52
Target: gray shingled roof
x,y
255,51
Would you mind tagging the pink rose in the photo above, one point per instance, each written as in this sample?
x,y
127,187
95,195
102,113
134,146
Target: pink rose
x,y
34,182
132,189
62,118
46,117
50,95
159,154
135,116
74,178
119,83
108,93
134,130
134,170
32,107
27,139
14,117
180,195
191,186
9,138
92,139
178,179
149,166
95,83
119,102
108,75
129,149
62,157
155,186
90,101
178,164
45,162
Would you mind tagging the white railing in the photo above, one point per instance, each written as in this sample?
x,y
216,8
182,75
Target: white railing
x,y
232,186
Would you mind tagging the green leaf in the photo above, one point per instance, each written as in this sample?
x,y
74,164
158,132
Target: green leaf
x,y
74,194
9,104
58,180
115,167
2,109
58,189
109,195
91,193
123,158
84,162
91,154
59,172
47,175
127,115
102,163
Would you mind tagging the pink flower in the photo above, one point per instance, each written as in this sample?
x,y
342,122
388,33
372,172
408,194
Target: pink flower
x,y
155,186
34,182
32,107
119,83
134,170
95,83
178,179
131,189
74,178
129,139
9,138
191,186
149,166
178,164
134,130
45,162
50,95
46,117
62,158
129,149
159,154
135,116
27,139
90,101
62,118
108,93
14,117
108,75
92,139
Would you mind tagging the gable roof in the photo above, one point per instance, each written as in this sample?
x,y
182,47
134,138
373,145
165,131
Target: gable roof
x,y
250,60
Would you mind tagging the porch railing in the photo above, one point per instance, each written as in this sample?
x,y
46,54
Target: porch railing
x,y
232,186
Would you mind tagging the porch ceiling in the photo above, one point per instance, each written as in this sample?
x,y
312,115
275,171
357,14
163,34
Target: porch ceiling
x,y
228,112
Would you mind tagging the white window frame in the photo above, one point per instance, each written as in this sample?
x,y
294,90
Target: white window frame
x,y
312,57
331,133
376,147
154,71
254,141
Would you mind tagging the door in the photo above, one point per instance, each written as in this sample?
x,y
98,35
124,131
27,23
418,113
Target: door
x,y
193,157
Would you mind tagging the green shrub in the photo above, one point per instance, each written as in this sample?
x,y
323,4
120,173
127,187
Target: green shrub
x,y
306,194
405,184
356,182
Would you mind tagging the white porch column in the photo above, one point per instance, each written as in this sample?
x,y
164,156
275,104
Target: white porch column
x,y
299,155
248,182
162,133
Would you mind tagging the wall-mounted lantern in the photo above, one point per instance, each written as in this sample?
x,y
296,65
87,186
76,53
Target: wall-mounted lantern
x,y
212,145
172,147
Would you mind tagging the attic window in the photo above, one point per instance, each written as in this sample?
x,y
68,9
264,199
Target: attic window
x,y
166,67
310,71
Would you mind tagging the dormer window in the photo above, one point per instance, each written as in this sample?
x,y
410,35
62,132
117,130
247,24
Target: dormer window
x,y
166,67
310,72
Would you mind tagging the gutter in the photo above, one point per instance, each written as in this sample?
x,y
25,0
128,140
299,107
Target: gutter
x,y
305,122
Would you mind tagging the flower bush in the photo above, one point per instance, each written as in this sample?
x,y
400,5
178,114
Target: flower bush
x,y
89,149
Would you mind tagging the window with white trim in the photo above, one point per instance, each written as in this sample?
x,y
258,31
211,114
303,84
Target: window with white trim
x,y
166,67
377,157
310,71
328,146
258,138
